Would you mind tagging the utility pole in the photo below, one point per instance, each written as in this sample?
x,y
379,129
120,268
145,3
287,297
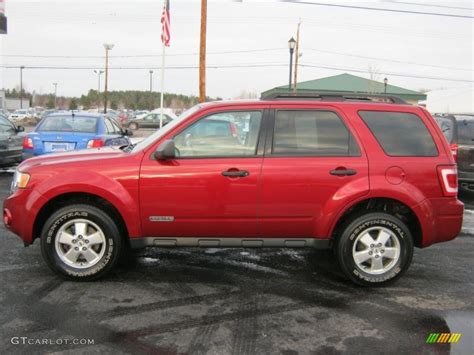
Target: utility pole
x,y
21,86
55,94
99,73
295,80
108,47
151,80
202,52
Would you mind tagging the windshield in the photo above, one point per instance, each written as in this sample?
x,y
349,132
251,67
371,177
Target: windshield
x,y
161,132
68,123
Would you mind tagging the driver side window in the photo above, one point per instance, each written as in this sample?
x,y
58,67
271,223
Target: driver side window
x,y
229,134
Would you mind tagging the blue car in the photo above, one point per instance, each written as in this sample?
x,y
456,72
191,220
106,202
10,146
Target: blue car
x,y
62,132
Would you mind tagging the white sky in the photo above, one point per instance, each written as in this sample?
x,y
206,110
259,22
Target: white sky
x,y
441,46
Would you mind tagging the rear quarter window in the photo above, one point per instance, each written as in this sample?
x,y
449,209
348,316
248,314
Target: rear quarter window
x,y
400,133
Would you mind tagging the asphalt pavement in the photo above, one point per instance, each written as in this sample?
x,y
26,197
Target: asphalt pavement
x,y
235,301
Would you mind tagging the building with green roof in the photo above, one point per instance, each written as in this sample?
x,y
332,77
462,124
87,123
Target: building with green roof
x,y
349,83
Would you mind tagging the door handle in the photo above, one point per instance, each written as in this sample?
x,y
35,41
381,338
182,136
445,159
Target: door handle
x,y
343,172
235,173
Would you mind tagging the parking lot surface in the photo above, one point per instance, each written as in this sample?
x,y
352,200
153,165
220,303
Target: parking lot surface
x,y
236,301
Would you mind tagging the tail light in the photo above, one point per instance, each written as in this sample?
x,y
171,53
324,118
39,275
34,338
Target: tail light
x,y
95,143
27,143
233,129
448,176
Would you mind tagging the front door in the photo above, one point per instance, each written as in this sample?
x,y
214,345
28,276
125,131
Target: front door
x,y
210,189
312,165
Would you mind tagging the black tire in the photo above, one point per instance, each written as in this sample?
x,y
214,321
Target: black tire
x,y
133,126
112,245
369,223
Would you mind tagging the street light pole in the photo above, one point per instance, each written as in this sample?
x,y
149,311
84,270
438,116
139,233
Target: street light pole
x,y
99,73
291,46
108,47
385,81
21,86
151,80
55,94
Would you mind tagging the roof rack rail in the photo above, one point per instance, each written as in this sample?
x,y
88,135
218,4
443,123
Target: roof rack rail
x,y
340,96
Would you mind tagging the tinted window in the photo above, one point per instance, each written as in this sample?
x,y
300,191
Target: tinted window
x,y
6,126
465,125
317,133
221,135
447,126
400,134
68,124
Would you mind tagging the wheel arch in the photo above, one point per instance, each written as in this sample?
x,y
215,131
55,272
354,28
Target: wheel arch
x,y
65,199
392,206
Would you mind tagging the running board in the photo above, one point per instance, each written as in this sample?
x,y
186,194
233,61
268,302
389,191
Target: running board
x,y
137,243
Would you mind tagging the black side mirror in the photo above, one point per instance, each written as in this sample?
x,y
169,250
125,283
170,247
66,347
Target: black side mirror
x,y
166,150
127,132
20,129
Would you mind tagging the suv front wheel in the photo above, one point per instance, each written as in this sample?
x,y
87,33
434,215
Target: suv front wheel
x,y
375,249
81,242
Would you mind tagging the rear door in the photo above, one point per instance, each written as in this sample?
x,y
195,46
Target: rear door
x,y
312,163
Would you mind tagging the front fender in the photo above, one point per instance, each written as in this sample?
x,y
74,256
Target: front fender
x,y
122,195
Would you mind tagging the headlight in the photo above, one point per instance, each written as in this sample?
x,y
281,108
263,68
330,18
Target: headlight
x,y
20,181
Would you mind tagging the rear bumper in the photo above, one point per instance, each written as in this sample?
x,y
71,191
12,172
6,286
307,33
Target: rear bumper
x,y
440,219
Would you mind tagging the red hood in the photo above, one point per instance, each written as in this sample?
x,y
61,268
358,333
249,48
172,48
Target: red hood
x,y
71,157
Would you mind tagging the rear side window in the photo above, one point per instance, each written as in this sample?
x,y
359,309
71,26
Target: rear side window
x,y
312,133
400,134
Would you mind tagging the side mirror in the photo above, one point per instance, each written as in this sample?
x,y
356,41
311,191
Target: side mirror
x,y
166,150
127,132
20,129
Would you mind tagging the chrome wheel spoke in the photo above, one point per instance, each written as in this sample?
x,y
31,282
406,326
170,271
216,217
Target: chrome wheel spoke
x,y
362,256
80,228
95,239
90,255
72,255
66,238
367,240
377,265
383,237
390,253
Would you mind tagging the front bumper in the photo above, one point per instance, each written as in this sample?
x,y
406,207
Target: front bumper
x,y
19,212
9,158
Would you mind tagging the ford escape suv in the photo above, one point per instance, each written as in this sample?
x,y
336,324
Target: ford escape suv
x,y
369,177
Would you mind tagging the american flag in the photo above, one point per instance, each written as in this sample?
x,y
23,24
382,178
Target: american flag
x,y
165,24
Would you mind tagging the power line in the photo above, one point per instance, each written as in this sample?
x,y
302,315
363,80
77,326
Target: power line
x,y
235,66
377,9
429,5
386,73
134,55
388,60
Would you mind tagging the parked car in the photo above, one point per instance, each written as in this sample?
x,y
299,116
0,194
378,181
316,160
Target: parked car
x,y
459,132
61,132
150,120
10,142
370,180
19,115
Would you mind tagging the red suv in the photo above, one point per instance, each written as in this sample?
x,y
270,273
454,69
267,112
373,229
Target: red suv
x,y
370,180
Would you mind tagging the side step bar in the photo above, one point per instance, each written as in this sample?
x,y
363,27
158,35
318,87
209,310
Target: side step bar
x,y
137,243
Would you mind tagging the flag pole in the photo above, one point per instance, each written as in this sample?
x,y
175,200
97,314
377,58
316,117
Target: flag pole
x,y
162,84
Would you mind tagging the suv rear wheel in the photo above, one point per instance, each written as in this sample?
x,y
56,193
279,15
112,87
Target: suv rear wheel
x,y
375,249
81,242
